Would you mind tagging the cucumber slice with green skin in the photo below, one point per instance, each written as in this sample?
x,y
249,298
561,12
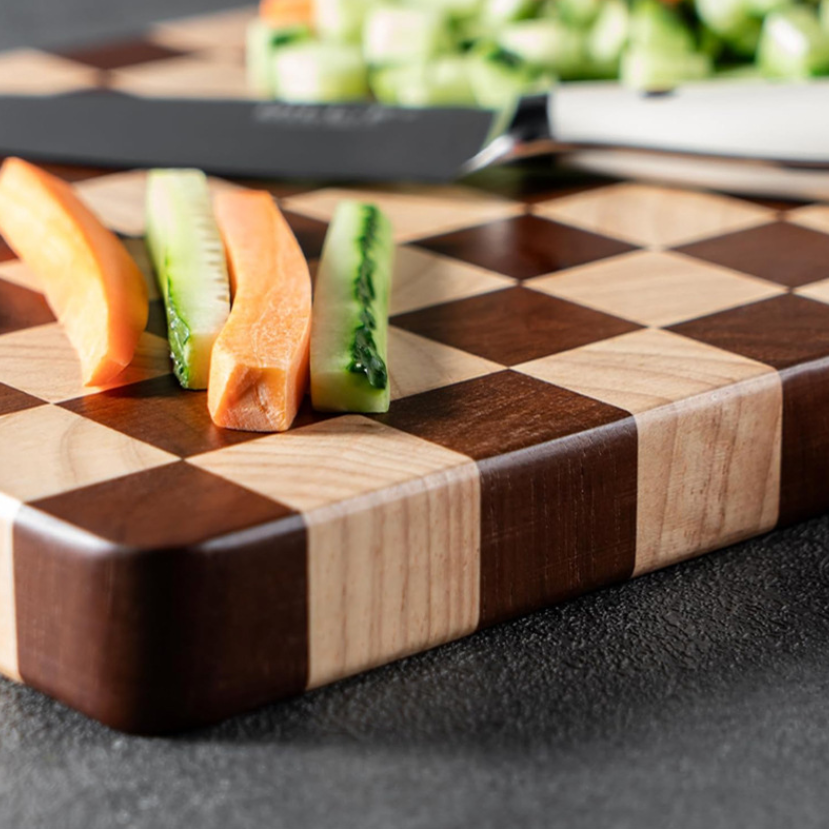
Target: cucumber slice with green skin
x,y
579,12
262,40
443,81
655,26
341,20
403,34
314,72
454,9
498,78
496,13
794,45
657,71
189,260
608,36
547,44
349,332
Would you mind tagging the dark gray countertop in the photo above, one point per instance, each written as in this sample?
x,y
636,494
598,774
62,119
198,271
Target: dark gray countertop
x,y
695,697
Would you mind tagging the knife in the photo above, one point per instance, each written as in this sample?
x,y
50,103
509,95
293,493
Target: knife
x,y
786,123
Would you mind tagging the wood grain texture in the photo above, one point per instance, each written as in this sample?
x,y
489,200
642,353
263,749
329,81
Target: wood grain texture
x,y
42,362
204,31
21,308
779,252
8,620
183,77
655,288
423,279
654,216
558,484
525,246
710,432
393,536
814,216
512,326
48,450
414,211
145,629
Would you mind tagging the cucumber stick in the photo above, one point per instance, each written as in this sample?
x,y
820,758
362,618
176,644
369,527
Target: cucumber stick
x,y
349,332
189,261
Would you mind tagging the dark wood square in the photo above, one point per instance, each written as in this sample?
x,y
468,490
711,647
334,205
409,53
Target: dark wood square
x,y
780,252
161,413
558,484
14,400
310,233
21,308
782,332
6,253
525,246
120,54
513,325
177,505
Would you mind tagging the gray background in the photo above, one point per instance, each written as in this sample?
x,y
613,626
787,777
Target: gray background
x,y
695,697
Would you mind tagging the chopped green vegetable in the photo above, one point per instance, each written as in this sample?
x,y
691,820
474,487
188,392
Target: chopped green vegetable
x,y
608,37
546,44
189,261
399,34
653,71
794,44
442,81
498,78
341,20
262,41
312,72
349,334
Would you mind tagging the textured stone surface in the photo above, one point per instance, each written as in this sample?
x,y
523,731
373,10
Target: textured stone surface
x,y
693,697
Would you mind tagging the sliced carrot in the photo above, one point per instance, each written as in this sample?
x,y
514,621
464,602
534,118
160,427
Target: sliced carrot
x,y
91,282
282,14
259,365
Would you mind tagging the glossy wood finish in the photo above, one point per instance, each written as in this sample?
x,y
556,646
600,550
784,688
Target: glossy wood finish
x,y
589,381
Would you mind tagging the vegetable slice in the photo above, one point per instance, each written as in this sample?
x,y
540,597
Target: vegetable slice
x,y
349,335
284,14
92,284
259,367
189,262
313,72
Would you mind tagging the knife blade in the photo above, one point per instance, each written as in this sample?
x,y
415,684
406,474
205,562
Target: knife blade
x,y
786,123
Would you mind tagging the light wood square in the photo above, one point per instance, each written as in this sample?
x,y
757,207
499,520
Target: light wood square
x,y
393,573
204,31
644,370
19,273
816,290
415,212
184,77
8,621
655,216
42,362
47,450
709,426
813,216
418,364
422,279
31,72
655,288
119,199
329,462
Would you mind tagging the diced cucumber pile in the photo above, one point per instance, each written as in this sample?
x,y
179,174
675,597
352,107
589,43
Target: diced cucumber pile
x,y
349,334
189,261
488,53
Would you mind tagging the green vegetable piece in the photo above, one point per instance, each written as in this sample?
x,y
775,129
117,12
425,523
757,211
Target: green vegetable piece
x,y
341,20
656,26
650,70
794,45
499,78
548,45
349,333
579,12
314,72
262,41
443,81
608,37
403,34
189,261
496,13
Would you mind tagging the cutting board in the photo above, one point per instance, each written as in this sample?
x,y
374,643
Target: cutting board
x,y
590,381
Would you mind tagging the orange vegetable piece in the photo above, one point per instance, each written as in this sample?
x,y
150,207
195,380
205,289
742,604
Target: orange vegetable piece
x,y
282,14
91,282
259,365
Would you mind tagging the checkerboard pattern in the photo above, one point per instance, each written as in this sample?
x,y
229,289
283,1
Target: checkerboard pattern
x,y
588,384
589,381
